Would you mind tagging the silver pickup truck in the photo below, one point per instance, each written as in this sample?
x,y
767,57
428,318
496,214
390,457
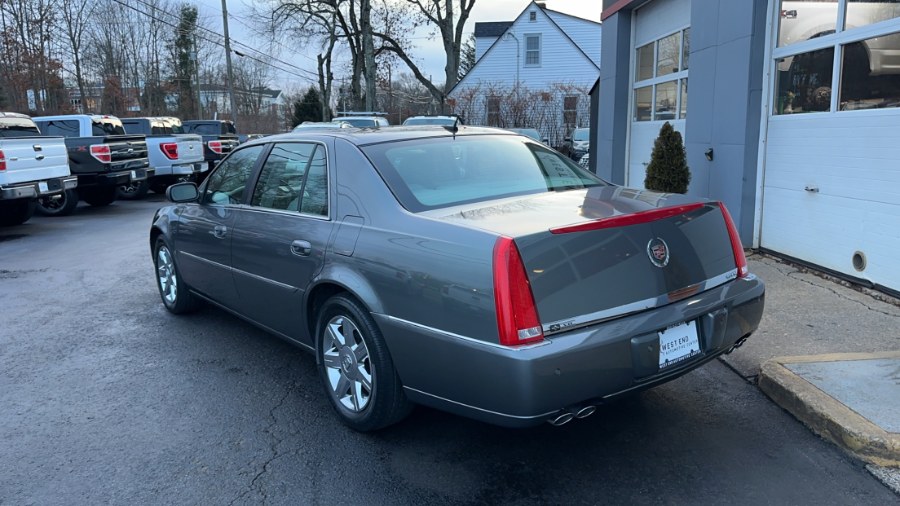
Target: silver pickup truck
x,y
175,155
31,166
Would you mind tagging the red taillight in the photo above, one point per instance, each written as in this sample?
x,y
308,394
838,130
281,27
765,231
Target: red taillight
x,y
517,318
215,146
740,261
101,152
170,149
2,160
624,220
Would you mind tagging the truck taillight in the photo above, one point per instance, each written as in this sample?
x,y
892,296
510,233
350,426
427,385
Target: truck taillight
x,y
517,318
101,152
2,160
215,146
170,149
740,261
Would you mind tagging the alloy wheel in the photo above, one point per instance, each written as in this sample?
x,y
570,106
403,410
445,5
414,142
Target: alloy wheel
x,y
347,364
165,270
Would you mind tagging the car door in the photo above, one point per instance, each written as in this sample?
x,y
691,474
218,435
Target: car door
x,y
280,238
204,230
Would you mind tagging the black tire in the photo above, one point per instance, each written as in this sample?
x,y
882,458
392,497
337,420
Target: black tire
x,y
343,368
16,212
133,190
100,195
175,294
62,204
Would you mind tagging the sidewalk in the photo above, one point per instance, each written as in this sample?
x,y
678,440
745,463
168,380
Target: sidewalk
x,y
823,352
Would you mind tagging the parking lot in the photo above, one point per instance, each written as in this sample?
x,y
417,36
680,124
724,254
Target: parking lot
x,y
105,397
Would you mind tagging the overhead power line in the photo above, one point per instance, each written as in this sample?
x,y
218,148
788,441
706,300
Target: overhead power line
x,y
221,43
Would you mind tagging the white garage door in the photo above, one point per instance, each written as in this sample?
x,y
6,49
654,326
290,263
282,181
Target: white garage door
x,y
831,191
659,78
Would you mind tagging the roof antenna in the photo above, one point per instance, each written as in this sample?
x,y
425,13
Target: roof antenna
x,y
455,126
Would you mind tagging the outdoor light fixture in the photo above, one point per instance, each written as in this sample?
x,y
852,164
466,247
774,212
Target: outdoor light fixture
x,y
708,154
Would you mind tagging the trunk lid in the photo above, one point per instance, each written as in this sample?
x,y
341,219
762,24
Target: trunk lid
x,y
589,257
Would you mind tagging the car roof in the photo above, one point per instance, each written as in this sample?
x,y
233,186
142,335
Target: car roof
x,y
368,136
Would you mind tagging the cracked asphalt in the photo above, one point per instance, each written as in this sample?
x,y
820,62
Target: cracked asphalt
x,y
107,398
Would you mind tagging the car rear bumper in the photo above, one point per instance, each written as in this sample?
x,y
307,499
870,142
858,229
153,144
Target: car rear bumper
x,y
520,387
34,189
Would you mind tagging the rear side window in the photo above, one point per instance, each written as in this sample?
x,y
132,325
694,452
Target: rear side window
x,y
293,178
56,128
18,127
442,172
227,183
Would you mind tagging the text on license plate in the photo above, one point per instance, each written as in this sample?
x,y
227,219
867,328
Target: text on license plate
x,y
678,343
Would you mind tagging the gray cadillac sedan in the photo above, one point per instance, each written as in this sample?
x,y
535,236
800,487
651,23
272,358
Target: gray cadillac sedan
x,y
468,269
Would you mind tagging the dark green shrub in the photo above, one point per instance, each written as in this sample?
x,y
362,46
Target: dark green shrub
x,y
668,171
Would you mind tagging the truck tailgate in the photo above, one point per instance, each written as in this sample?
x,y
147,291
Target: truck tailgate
x,y
33,159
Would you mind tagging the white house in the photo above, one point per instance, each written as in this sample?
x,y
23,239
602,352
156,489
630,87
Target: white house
x,y
536,71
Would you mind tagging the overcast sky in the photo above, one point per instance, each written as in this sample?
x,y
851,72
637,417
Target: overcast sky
x,y
429,53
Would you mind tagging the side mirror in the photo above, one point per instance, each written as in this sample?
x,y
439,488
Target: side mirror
x,y
182,192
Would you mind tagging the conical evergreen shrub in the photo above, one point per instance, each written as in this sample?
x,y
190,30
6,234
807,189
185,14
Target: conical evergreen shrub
x,y
668,171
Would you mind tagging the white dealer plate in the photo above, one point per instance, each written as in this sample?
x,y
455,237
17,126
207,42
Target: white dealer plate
x,y
678,343
42,187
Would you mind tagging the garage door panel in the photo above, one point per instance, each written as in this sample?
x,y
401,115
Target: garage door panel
x,y
853,159
828,230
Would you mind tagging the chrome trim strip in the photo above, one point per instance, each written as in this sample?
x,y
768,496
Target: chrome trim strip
x,y
633,307
505,415
239,271
444,333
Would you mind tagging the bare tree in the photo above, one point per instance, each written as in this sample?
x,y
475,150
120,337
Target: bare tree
x,y
75,16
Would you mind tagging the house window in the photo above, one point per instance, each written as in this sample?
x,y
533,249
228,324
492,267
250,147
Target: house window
x,y
493,111
843,63
532,16
570,112
533,50
660,78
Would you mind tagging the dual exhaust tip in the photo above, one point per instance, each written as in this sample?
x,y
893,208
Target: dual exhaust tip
x,y
567,415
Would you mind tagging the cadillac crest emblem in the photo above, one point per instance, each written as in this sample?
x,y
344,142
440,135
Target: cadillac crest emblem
x,y
658,251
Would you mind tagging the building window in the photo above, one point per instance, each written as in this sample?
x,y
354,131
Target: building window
x,y
832,33
570,112
493,111
533,50
532,16
660,78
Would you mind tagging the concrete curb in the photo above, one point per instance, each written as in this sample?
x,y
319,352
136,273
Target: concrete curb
x,y
826,416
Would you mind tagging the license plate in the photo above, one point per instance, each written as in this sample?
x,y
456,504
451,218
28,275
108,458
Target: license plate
x,y
42,186
134,174
678,343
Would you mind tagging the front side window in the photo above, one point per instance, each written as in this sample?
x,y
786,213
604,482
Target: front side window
x,y
227,183
439,172
533,50
283,175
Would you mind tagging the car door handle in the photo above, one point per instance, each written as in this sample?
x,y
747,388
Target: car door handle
x,y
219,231
39,157
301,248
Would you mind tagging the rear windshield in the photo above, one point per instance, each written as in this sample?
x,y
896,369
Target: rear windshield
x,y
442,172
430,121
18,127
106,127
360,122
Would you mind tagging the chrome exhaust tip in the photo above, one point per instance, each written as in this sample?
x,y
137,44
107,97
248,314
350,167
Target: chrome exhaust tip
x,y
561,419
585,412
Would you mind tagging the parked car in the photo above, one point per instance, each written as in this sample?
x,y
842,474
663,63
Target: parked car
x,y
101,154
219,138
477,272
174,155
363,119
31,166
320,125
432,120
579,143
530,132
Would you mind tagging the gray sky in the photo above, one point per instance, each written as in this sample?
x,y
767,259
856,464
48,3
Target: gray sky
x,y
428,52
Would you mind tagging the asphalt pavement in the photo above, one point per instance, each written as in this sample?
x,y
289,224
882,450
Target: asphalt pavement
x,y
829,353
107,398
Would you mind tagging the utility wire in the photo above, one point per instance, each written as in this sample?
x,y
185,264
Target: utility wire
x,y
218,42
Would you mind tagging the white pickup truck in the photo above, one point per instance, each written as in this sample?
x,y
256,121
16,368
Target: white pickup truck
x,y
31,166
175,155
